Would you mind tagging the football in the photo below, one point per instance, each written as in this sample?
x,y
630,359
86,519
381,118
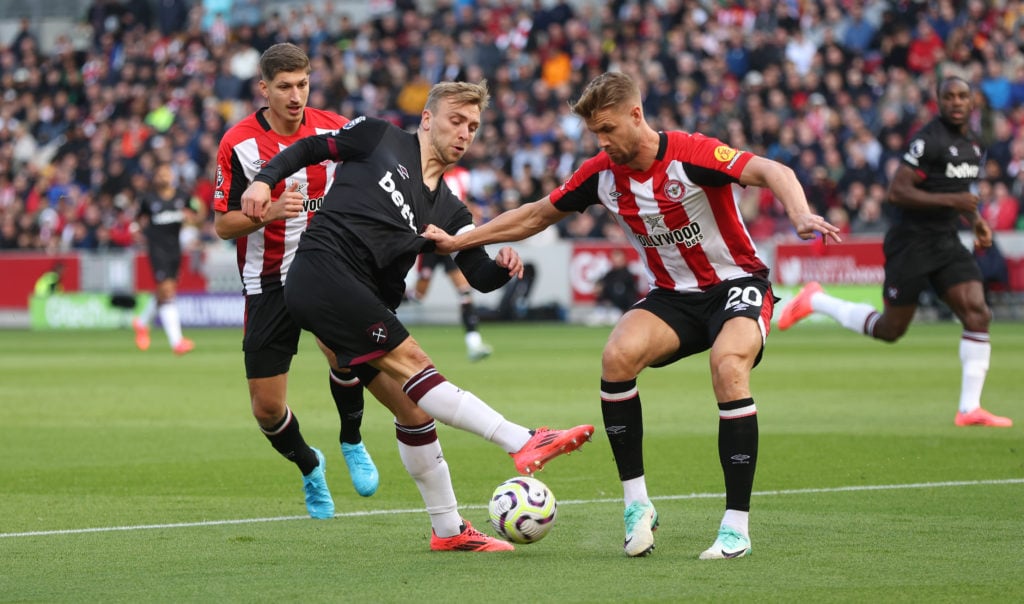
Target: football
x,y
522,510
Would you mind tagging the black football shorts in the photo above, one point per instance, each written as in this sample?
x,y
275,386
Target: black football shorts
x,y
697,318
326,298
913,262
271,335
165,264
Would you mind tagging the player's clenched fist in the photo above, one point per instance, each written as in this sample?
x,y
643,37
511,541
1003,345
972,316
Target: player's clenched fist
x,y
257,205
444,242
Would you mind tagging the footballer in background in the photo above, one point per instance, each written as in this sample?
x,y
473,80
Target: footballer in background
x,y
457,179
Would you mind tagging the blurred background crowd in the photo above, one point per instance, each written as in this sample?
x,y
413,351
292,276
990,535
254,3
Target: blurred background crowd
x,y
832,88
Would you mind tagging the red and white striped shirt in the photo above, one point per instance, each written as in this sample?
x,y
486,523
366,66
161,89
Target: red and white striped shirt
x,y
457,179
265,255
680,214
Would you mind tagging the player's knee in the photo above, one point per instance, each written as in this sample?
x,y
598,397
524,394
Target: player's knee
x,y
268,413
404,361
730,368
889,333
618,363
977,318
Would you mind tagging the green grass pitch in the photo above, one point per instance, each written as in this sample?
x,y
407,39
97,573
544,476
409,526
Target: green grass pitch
x,y
137,477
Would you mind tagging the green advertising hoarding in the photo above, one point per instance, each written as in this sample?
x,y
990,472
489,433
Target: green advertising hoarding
x,y
82,311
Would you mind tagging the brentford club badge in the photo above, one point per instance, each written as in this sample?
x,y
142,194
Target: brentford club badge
x,y
674,190
378,333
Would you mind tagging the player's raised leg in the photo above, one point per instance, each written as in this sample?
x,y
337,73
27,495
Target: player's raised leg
x,y
529,449
458,408
799,307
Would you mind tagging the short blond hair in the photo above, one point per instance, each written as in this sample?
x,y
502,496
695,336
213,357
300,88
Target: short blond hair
x,y
459,93
610,89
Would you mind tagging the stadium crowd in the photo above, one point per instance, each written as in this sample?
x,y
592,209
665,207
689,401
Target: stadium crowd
x,y
833,88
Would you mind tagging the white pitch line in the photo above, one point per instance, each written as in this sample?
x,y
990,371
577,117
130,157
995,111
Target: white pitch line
x,y
880,487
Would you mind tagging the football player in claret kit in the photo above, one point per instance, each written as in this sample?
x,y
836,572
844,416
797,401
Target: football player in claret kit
x,y
671,192
348,275
162,212
265,250
931,193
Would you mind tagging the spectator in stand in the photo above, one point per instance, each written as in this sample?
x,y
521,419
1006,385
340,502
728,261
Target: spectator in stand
x,y
857,168
128,77
869,219
999,208
996,86
172,16
821,191
856,32
926,50
8,232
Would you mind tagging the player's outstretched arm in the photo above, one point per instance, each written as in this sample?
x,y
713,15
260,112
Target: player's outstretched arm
x,y
782,182
514,225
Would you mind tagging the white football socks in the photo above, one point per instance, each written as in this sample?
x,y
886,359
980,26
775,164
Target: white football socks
x,y
428,468
171,321
975,352
737,520
635,489
462,409
851,315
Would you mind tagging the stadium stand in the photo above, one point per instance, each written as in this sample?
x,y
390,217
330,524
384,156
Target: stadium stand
x,y
95,91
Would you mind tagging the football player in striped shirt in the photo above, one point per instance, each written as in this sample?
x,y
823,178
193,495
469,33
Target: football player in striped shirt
x,y
672,194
